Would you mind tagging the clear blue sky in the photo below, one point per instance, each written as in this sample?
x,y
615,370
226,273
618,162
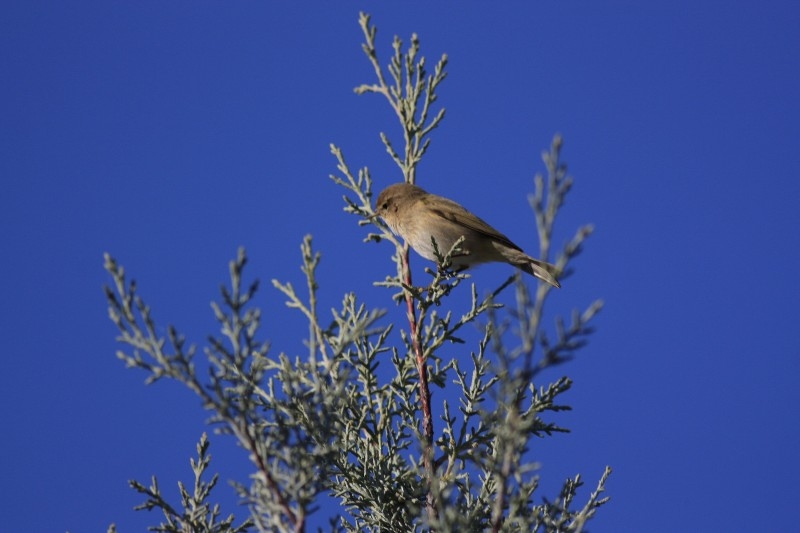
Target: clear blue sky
x,y
170,133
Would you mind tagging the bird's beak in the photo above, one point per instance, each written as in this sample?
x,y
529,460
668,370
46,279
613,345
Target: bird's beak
x,y
372,217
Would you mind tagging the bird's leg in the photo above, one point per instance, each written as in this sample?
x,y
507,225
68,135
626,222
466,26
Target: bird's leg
x,y
448,273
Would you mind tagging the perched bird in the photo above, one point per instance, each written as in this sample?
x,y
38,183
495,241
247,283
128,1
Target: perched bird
x,y
416,216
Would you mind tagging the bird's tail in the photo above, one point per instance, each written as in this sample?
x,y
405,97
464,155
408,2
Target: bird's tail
x,y
540,269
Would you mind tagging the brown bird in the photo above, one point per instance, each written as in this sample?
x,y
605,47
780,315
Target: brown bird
x,y
416,216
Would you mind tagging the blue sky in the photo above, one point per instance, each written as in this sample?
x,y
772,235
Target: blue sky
x,y
171,133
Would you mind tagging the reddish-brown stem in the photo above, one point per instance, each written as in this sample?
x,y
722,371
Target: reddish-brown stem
x,y
424,388
298,524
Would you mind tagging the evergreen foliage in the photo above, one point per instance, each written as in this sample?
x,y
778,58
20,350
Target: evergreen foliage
x,y
328,423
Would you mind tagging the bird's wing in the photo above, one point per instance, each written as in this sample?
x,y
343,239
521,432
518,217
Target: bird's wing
x,y
461,217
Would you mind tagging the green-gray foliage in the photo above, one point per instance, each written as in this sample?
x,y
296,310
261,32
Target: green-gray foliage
x,y
328,422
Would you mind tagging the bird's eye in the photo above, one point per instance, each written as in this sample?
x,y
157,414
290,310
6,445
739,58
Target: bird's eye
x,y
385,205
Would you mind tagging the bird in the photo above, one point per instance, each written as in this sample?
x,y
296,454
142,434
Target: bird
x,y
417,215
